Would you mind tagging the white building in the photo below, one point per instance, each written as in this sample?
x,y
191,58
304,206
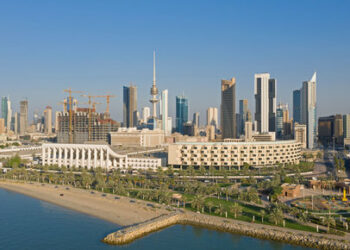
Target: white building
x,y
137,138
93,156
146,113
164,112
212,117
265,102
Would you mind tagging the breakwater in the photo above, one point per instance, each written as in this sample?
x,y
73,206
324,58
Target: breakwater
x,y
129,234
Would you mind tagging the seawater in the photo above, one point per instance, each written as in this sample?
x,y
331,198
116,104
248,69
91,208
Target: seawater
x,y
28,223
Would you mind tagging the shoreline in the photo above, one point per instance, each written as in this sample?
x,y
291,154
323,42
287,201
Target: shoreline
x,y
137,219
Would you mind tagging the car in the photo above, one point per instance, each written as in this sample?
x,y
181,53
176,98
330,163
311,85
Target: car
x,y
104,195
61,194
116,198
56,186
67,188
92,192
132,201
150,205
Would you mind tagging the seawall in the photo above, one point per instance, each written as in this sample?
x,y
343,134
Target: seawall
x,y
129,234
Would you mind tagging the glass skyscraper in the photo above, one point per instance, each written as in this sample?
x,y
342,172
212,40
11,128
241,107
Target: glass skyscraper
x,y
181,113
297,106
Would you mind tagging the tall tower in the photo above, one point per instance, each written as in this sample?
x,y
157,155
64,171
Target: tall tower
x,y
228,108
154,90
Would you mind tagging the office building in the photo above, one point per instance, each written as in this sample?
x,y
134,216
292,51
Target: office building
x,y
326,130
212,117
233,154
146,113
265,90
164,112
228,108
6,112
308,110
300,134
196,119
297,106
181,113
130,106
243,116
338,129
248,131
48,120
346,126
132,137
2,126
23,121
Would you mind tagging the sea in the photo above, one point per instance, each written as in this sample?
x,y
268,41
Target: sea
x,y
28,223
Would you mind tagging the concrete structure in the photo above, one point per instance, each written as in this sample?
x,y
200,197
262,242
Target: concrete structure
x,y
129,106
300,134
93,156
87,125
154,90
48,120
181,113
228,108
228,154
265,102
137,138
212,117
308,110
290,190
23,121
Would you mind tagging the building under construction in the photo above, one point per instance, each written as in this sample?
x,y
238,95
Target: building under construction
x,y
86,126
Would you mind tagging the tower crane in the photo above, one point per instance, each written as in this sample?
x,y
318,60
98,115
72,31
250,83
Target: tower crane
x,y
107,101
70,91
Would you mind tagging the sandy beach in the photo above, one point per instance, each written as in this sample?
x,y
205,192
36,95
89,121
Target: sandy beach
x,y
119,211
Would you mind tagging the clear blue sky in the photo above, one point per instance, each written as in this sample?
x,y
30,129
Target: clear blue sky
x,y
99,46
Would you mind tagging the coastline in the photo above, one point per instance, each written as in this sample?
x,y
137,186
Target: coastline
x,y
138,219
120,212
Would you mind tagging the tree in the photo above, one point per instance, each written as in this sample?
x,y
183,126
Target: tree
x,y
210,205
262,214
221,210
276,215
198,202
329,221
236,209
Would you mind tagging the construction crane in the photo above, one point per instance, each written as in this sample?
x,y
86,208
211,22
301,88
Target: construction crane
x,y
107,100
70,91
92,106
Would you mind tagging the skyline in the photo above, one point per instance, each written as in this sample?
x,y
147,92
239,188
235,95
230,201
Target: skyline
x,y
95,49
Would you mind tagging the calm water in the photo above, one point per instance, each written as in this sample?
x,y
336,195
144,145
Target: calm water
x,y
27,223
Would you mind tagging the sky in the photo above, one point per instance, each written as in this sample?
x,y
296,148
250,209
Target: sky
x,y
99,46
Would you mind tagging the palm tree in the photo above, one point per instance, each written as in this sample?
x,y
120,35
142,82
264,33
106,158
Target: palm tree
x,y
198,202
262,214
210,205
221,210
236,209
276,215
329,221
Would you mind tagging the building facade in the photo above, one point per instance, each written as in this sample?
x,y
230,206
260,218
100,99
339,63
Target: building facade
x,y
297,106
129,106
228,108
181,113
234,154
300,134
212,117
48,120
136,138
23,121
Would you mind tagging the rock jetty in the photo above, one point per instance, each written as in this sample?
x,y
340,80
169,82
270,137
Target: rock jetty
x,y
129,234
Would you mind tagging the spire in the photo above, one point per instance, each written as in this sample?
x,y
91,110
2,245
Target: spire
x,y
313,78
154,68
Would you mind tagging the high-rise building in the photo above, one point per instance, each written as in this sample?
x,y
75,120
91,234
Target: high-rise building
x,y
181,113
196,119
164,111
300,134
4,109
338,129
154,90
297,106
283,123
248,131
308,110
15,123
326,130
48,120
212,117
56,121
243,116
130,106
23,121
265,90
146,113
228,108
2,126
346,126
6,112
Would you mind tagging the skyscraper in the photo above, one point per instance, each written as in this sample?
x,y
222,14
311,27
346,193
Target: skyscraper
x,y
196,119
308,110
297,106
154,90
146,113
212,117
181,113
129,106
164,111
346,126
4,109
228,108
243,116
265,102
48,120
23,121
